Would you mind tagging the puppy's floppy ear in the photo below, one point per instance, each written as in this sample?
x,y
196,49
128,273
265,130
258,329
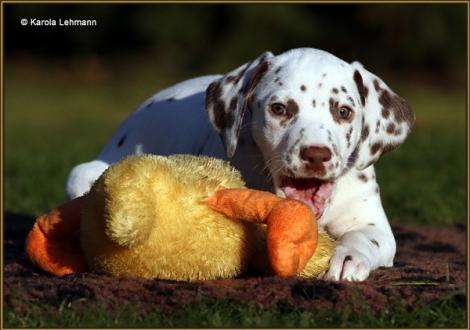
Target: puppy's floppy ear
x,y
227,98
386,118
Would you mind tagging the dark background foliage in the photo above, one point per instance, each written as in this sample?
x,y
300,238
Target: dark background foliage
x,y
425,41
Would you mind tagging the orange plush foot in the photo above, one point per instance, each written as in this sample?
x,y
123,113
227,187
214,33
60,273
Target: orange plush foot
x,y
292,237
51,244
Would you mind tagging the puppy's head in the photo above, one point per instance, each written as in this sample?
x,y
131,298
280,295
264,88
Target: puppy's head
x,y
313,116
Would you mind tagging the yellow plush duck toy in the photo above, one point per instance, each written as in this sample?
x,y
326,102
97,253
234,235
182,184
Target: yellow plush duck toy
x,y
181,218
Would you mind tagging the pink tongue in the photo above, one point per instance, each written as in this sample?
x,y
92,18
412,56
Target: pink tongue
x,y
312,192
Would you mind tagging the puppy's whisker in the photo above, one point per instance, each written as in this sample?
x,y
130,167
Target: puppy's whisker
x,y
274,165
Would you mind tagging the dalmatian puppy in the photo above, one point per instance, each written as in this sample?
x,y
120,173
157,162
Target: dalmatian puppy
x,y
304,124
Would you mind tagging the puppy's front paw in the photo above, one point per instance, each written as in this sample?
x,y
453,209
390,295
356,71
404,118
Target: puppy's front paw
x,y
348,264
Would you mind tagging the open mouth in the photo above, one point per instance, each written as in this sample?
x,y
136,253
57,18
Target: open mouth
x,y
313,192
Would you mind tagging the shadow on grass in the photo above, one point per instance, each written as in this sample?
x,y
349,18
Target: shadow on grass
x,y
15,229
17,225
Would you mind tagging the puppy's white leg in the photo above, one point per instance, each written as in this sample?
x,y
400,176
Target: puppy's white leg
x,y
361,251
82,177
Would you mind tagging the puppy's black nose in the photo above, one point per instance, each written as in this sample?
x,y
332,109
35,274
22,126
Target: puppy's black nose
x,y
315,155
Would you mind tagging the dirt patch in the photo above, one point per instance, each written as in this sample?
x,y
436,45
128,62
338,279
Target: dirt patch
x,y
430,264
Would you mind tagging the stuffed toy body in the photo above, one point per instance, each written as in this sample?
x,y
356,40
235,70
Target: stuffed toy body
x,y
181,218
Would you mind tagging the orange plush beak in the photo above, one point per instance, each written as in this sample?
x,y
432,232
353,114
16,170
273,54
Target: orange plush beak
x,y
51,244
292,232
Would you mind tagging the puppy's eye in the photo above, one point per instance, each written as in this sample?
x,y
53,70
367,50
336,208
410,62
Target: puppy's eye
x,y
278,109
344,112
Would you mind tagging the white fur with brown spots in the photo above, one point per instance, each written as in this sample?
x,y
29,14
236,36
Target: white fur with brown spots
x,y
304,124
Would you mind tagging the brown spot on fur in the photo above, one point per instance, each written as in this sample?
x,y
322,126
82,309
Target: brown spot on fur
x,y
319,85
362,177
213,93
377,126
350,99
373,241
371,224
402,111
343,89
122,140
233,103
324,75
292,107
314,103
385,113
391,128
377,85
335,90
276,80
375,147
353,156
347,258
365,132
393,103
348,136
219,115
216,105
278,70
303,88
385,99
363,91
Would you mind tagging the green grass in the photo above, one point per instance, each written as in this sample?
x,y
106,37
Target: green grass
x,y
449,313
